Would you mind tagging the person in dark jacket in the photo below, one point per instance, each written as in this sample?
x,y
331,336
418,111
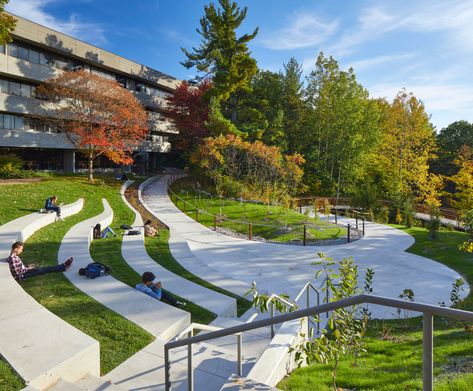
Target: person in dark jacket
x,y
51,204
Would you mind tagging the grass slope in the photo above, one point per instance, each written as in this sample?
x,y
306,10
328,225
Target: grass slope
x,y
275,223
119,338
394,357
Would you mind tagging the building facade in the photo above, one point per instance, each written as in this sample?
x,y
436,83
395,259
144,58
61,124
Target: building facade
x,y
38,53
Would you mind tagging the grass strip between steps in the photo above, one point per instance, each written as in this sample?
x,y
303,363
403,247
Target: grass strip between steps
x,y
158,249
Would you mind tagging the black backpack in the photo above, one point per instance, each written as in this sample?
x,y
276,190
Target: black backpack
x,y
97,234
96,269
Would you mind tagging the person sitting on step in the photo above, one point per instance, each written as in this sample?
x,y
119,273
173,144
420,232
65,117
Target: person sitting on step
x,y
149,229
156,290
20,272
51,204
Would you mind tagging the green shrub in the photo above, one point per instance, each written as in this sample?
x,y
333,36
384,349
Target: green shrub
x,y
10,162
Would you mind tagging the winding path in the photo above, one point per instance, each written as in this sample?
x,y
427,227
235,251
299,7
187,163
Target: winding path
x,y
285,268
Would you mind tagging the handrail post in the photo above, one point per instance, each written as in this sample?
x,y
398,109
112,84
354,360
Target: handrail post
x,y
250,231
239,354
308,305
326,294
190,372
305,235
363,226
215,223
272,315
348,233
167,370
197,214
428,352
356,221
336,221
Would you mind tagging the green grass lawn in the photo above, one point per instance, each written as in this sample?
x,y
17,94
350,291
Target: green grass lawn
x,y
274,223
394,357
118,337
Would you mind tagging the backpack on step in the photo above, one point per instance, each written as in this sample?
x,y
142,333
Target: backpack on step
x,y
94,270
97,234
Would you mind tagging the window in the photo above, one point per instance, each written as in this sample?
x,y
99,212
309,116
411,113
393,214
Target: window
x,y
33,56
4,86
43,60
2,49
19,123
12,50
8,121
22,53
139,87
122,81
25,90
14,88
1,121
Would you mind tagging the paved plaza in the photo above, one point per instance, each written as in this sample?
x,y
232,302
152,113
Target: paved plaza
x,y
283,268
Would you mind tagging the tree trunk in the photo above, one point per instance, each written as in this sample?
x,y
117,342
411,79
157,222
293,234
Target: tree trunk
x,y
91,168
338,182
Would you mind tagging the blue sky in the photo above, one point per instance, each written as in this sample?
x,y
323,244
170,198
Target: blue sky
x,y
423,46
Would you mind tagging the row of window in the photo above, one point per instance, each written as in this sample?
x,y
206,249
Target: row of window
x,y
26,53
16,122
17,89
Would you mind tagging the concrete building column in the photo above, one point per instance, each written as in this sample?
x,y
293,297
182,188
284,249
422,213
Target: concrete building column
x,y
69,158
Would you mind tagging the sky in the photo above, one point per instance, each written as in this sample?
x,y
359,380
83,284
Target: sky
x,y
425,47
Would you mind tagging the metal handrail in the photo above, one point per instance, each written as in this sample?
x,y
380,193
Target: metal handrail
x,y
428,311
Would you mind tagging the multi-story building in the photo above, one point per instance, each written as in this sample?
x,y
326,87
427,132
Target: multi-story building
x,y
38,53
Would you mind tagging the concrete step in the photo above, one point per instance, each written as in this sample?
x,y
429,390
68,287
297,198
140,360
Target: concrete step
x,y
93,383
237,383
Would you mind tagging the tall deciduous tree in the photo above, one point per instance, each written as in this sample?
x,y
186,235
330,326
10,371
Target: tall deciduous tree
x,y
221,53
98,116
341,129
188,111
463,180
7,24
407,145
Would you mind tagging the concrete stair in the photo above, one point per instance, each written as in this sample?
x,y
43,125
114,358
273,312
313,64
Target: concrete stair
x,y
237,383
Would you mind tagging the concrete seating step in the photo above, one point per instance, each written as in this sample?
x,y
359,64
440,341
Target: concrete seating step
x,y
237,383
154,198
156,317
40,346
134,252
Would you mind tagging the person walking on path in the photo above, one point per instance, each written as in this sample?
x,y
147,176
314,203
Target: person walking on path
x,y
155,290
51,204
20,272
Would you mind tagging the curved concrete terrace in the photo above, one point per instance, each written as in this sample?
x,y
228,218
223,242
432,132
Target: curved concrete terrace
x,y
286,268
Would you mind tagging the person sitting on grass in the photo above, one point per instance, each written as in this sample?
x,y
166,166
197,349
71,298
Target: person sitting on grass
x,y
20,272
51,204
156,290
149,229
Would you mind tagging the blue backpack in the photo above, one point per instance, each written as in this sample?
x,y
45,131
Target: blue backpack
x,y
93,270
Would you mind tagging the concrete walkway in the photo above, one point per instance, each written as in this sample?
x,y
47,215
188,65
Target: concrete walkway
x,y
286,268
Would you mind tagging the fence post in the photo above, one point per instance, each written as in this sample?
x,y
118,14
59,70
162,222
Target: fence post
x,y
167,370
427,353
197,214
190,372
363,226
336,221
300,206
305,235
250,231
348,233
356,221
215,223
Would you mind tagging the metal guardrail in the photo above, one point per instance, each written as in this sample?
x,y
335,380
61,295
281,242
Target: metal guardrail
x,y
428,311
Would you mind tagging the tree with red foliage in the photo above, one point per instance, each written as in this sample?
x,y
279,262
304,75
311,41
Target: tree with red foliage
x,y
97,115
188,111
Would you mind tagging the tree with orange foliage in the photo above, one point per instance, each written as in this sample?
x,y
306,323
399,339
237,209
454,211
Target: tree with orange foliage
x,y
188,111
97,115
241,168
